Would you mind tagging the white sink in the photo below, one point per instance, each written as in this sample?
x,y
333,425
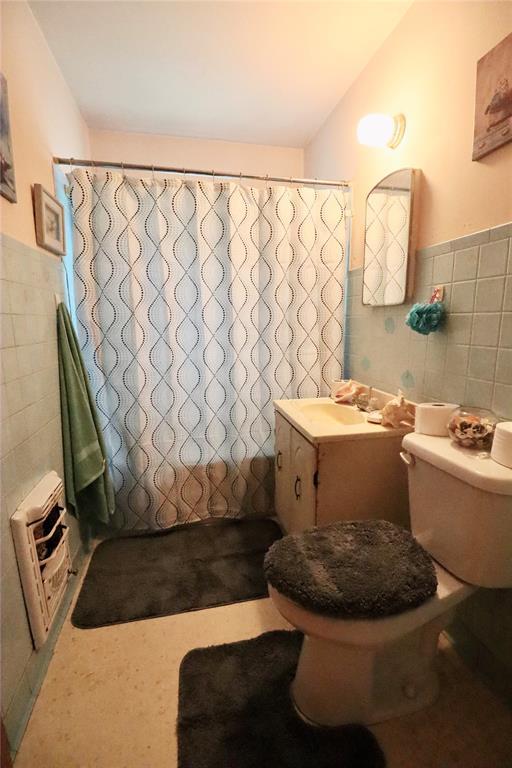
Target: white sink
x,y
321,419
329,412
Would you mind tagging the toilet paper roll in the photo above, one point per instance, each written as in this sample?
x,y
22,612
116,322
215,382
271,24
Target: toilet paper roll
x,y
501,450
432,418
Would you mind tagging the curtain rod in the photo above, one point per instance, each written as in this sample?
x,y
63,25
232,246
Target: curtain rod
x,y
191,172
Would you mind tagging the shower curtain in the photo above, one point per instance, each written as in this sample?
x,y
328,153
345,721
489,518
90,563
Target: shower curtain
x,y
198,304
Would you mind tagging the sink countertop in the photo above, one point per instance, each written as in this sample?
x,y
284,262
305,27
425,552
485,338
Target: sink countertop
x,y
299,412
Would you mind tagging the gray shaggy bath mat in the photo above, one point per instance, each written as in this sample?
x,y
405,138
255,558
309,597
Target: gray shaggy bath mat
x,y
183,569
234,711
362,569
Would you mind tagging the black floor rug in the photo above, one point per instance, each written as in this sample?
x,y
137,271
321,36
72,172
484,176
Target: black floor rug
x,y
183,569
235,712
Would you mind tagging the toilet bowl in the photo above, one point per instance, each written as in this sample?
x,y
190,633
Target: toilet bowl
x,y
367,670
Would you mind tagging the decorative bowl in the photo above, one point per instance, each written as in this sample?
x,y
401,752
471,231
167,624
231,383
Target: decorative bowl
x,y
473,427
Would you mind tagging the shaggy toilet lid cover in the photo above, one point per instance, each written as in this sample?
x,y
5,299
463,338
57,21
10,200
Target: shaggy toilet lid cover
x,y
353,570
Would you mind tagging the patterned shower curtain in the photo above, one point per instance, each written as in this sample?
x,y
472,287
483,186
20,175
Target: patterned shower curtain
x,y
197,305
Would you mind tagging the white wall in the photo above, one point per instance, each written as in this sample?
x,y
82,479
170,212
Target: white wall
x,y
44,117
44,121
425,69
199,154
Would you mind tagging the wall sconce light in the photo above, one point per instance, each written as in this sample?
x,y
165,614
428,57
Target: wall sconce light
x,y
378,130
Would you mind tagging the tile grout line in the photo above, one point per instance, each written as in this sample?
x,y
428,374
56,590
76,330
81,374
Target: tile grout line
x,y
470,351
508,264
443,388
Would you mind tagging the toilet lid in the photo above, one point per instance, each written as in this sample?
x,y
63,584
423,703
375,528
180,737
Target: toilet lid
x,y
360,569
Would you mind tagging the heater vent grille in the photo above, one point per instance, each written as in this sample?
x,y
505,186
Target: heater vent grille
x,y
41,540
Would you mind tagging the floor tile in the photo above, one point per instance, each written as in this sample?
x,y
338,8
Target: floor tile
x,y
110,699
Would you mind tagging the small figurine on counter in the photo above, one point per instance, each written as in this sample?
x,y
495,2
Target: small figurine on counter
x,y
398,412
346,391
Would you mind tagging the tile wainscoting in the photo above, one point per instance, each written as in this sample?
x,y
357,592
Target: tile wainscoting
x,y
30,447
470,360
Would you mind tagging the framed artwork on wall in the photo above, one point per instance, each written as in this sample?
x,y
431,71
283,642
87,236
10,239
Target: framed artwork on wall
x,y
7,180
493,103
49,220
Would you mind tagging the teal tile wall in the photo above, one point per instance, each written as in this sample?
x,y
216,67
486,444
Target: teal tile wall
x,y
470,362
30,446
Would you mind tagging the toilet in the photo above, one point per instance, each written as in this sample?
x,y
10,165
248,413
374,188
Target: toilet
x,y
368,654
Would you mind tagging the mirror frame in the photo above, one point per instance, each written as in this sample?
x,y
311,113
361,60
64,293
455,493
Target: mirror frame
x,y
411,240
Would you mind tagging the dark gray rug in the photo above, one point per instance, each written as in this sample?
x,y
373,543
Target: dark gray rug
x,y
186,568
235,712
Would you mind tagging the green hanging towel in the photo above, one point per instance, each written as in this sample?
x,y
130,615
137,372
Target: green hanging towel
x,y
88,487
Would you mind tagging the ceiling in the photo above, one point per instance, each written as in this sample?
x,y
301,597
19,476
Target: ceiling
x,y
257,72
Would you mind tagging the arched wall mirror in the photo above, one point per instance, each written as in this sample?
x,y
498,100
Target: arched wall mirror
x,y
390,239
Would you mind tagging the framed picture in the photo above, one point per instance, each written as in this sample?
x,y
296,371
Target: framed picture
x,y
7,180
493,104
49,220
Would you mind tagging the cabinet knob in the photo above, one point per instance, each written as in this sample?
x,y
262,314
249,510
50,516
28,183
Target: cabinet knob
x,y
297,487
279,460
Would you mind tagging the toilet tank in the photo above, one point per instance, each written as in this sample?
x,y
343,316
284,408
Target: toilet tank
x,y
461,509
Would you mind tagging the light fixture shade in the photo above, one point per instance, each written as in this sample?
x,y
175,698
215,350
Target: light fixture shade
x,y
379,130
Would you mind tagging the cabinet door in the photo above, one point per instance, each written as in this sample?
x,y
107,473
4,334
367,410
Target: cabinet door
x,y
303,487
283,486
362,480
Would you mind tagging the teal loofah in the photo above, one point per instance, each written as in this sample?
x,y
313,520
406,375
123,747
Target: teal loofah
x,y
425,318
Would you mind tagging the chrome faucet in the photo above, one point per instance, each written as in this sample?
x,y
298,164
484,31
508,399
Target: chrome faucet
x,y
365,401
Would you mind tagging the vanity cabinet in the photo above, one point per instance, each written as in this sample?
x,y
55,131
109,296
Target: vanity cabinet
x,y
319,482
296,477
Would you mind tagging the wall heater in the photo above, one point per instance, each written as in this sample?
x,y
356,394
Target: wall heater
x,y
42,550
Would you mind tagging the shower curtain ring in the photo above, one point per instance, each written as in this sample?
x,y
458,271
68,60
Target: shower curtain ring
x,y
153,172
213,176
